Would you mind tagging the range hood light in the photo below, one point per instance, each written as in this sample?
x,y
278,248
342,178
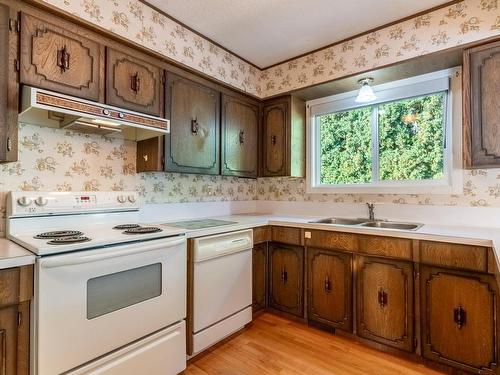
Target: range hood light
x,y
366,93
105,122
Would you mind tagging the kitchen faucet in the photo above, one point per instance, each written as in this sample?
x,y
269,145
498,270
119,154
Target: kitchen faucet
x,y
371,211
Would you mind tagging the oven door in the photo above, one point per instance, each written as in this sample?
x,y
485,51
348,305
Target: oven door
x,y
89,303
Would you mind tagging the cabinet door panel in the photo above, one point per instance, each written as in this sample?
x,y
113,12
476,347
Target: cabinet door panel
x,y
9,86
193,143
133,84
459,312
286,278
61,60
8,340
275,139
259,280
330,288
240,123
481,110
385,302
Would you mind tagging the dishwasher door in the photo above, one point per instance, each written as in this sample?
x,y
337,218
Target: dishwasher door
x,y
222,277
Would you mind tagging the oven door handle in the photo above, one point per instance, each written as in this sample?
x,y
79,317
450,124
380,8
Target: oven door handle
x,y
73,259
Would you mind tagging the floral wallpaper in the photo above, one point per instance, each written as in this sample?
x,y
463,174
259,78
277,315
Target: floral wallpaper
x,y
481,189
461,23
61,160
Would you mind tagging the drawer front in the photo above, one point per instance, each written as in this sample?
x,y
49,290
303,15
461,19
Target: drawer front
x,y
16,285
261,234
292,236
454,255
386,246
57,59
134,84
333,240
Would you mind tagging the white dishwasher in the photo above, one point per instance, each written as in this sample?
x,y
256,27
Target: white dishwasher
x,y
222,286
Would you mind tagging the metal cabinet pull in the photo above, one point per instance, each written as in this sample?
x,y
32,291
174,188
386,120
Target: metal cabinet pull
x,y
195,126
382,298
135,83
242,137
328,285
274,139
459,316
284,275
63,58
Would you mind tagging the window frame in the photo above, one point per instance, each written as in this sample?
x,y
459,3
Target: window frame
x,y
445,80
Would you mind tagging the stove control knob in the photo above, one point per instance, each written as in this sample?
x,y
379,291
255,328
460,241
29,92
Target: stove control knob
x,y
24,201
41,201
132,198
122,198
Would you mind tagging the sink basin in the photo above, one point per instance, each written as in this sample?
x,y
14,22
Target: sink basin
x,y
391,225
340,221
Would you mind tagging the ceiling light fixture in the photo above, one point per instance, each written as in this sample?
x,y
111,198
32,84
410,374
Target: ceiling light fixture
x,y
366,93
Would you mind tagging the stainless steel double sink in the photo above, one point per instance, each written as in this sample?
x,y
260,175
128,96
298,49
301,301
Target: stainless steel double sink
x,y
368,223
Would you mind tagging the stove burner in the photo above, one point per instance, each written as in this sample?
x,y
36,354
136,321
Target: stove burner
x,y
142,230
68,240
126,226
58,234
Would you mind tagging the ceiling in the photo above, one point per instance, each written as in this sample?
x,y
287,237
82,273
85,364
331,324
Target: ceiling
x,y
266,32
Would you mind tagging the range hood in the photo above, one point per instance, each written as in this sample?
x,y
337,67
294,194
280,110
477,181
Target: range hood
x,y
47,108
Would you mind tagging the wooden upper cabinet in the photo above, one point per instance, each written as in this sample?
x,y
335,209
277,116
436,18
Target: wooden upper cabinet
x,y
134,84
9,87
286,278
330,288
459,319
193,143
283,137
61,59
259,278
481,109
240,131
385,302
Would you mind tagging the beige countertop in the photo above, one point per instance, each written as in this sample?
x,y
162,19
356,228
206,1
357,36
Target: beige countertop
x,y
478,236
13,255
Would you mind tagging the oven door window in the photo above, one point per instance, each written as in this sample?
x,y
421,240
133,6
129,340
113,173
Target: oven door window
x,y
116,291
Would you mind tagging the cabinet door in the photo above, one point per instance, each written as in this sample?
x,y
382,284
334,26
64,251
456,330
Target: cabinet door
x,y
193,143
9,96
481,109
259,279
330,288
275,139
459,319
133,83
385,302
61,60
8,340
240,125
286,283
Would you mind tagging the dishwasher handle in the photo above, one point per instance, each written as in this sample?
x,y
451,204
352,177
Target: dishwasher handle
x,y
210,247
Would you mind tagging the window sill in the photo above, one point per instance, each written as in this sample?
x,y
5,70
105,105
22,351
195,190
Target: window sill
x,y
443,189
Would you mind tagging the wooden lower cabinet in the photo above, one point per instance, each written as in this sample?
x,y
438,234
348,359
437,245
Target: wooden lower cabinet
x,y
459,319
286,278
259,277
385,302
330,288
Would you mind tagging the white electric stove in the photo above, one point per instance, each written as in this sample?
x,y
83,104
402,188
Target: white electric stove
x,y
110,292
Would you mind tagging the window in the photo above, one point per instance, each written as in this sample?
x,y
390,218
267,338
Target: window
x,y
399,143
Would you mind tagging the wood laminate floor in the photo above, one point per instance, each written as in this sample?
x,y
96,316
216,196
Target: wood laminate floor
x,y
274,345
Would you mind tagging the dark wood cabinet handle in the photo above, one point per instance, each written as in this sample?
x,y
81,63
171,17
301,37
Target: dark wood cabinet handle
x,y
328,285
242,137
284,275
459,316
382,298
63,58
273,140
194,126
135,83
